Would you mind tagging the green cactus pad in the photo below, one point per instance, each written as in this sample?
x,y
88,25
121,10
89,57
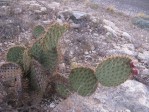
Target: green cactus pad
x,y
38,78
62,89
53,34
11,75
15,54
47,58
83,81
38,31
45,49
26,61
114,70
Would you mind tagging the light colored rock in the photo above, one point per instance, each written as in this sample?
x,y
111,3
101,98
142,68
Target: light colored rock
x,y
73,25
110,24
18,10
54,5
144,56
5,10
125,34
129,46
145,75
52,105
86,52
62,66
129,52
124,50
131,96
78,14
109,29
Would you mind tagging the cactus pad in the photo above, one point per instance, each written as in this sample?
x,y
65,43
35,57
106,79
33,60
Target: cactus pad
x,y
15,54
61,86
52,35
114,70
38,31
26,61
10,76
38,78
47,58
83,81
62,90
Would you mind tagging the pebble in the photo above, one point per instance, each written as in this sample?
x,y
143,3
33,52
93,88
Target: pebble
x,y
78,14
109,29
52,105
54,5
17,10
144,56
126,35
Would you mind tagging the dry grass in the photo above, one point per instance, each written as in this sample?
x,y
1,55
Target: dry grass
x,y
111,8
92,5
141,14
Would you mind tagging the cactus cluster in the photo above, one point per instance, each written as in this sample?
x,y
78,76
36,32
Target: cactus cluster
x,y
36,66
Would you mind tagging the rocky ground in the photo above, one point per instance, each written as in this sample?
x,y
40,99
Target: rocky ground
x,y
95,32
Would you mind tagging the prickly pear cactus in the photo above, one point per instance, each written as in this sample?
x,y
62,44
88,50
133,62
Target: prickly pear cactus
x,y
53,34
47,58
45,49
83,81
62,87
114,70
26,61
38,78
15,54
10,76
38,31
62,90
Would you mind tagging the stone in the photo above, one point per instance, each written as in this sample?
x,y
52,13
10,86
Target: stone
x,y
144,56
73,25
131,96
78,14
62,66
127,36
5,10
54,5
145,74
129,46
110,24
112,31
142,22
124,50
18,10
52,105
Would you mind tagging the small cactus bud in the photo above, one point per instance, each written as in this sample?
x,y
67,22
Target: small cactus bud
x,y
132,64
135,71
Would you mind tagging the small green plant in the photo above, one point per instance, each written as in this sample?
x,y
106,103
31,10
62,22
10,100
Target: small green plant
x,y
39,66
